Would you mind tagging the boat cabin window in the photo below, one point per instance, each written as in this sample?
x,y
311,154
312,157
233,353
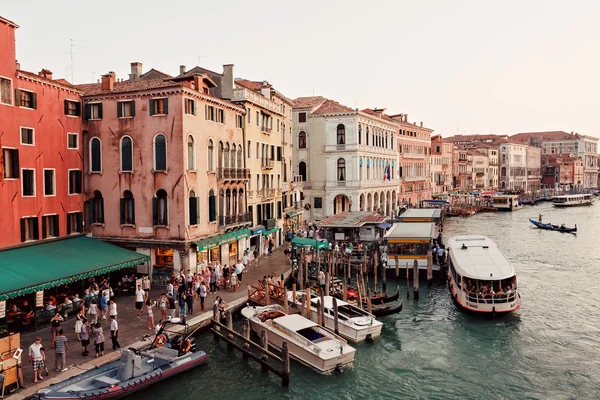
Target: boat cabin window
x,y
348,311
455,275
310,334
486,291
405,249
560,200
501,200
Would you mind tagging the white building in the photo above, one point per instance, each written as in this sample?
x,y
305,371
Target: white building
x,y
513,165
347,158
481,165
491,151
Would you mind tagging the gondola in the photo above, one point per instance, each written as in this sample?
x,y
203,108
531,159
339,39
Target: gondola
x,y
550,227
383,311
376,299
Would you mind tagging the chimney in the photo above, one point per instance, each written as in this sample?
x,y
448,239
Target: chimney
x,y
45,73
227,82
136,71
405,117
181,69
108,81
18,64
197,83
421,124
265,90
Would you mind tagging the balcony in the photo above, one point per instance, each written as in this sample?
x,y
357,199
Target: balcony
x,y
285,186
233,174
415,178
267,163
266,130
341,183
243,94
297,182
236,219
413,155
268,193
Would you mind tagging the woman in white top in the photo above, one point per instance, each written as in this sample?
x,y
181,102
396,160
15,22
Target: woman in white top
x,y
112,308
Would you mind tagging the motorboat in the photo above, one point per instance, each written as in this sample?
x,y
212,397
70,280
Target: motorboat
x,y
506,202
354,323
133,371
573,200
379,298
480,276
308,343
550,227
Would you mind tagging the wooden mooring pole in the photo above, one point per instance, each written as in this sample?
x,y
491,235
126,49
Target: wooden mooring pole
x,y
384,276
345,283
369,306
308,308
407,282
285,364
429,268
397,274
416,279
229,325
301,270
294,298
335,317
265,345
322,307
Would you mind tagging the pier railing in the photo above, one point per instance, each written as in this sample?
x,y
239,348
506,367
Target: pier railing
x,y
495,299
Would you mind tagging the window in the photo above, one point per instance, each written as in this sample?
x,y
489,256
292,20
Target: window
x,y
26,98
95,155
160,208
211,155
279,210
93,111
302,117
302,170
72,141
72,108
210,113
28,184
278,153
126,154
190,106
10,163
341,170
220,116
159,106
212,206
257,118
126,109
257,151
127,209
239,121
249,147
49,182
248,115
75,178
74,222
359,133
160,153
26,135
318,202
29,229
97,208
194,207
5,91
341,134
191,154
302,140
50,226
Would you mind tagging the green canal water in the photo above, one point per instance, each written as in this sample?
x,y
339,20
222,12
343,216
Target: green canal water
x,y
550,349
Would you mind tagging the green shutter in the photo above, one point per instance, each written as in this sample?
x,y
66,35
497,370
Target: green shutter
x,y
33,100
154,211
119,110
166,106
151,106
23,238
87,111
99,110
36,229
122,204
132,108
44,228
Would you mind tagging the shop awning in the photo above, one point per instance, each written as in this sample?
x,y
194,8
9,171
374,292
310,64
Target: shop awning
x,y
257,230
302,242
46,265
206,244
384,225
293,213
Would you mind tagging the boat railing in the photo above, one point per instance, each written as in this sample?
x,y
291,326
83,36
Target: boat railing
x,y
489,299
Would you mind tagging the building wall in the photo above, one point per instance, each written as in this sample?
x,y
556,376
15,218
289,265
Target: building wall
x,y
414,146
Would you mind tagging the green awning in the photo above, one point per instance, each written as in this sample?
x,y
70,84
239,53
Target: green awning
x,y
293,213
270,231
302,242
206,244
46,265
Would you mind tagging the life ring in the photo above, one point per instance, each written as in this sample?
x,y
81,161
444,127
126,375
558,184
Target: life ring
x,y
185,345
160,340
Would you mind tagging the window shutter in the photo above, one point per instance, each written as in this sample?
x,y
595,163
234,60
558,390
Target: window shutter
x,y
87,111
197,210
206,111
91,211
122,204
212,208
44,228
17,97
23,238
154,211
193,107
79,176
36,229
166,106
119,109
278,153
33,100
66,107
192,210
69,224
100,110
132,108
79,218
56,226
15,164
132,211
151,107
78,108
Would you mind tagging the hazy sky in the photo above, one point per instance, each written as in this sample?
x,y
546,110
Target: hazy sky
x,y
458,66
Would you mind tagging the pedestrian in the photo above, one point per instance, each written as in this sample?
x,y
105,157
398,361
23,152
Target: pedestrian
x,y
112,308
146,285
172,305
79,322
234,282
170,288
36,358
255,254
99,339
162,305
93,312
55,325
182,305
139,300
61,347
213,281
270,246
441,255
322,280
245,260
189,301
202,295
104,304
196,288
114,332
85,337
150,319
239,270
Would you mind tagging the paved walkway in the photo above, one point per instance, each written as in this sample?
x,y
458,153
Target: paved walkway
x,y
132,329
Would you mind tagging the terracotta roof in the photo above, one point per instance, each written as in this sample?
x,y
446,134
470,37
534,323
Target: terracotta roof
x,y
471,138
252,85
309,102
376,114
551,135
8,22
195,71
92,89
330,107
58,82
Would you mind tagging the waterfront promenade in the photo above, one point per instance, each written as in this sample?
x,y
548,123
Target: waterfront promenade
x,y
132,329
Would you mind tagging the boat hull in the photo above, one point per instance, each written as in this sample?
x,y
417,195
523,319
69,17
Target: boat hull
x,y
461,301
349,332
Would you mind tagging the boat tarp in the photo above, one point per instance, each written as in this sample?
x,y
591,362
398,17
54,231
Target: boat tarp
x,y
302,242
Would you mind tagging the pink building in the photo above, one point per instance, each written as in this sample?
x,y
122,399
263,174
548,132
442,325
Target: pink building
x,y
164,168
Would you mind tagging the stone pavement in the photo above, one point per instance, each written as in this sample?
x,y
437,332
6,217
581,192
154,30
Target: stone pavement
x,y
132,329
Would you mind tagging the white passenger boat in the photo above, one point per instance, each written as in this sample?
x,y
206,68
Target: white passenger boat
x,y
354,323
481,278
573,200
308,343
506,202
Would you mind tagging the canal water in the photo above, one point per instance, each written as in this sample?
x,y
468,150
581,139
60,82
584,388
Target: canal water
x,y
431,350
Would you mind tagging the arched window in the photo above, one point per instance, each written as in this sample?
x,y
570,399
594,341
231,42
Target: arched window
x,y
240,154
97,208
95,155
341,134
211,155
221,207
503,172
220,156
226,156
127,209
386,140
126,154
341,170
234,202
302,140
191,153
302,170
160,153
359,133
160,209
233,156
367,136
212,206
194,207
284,169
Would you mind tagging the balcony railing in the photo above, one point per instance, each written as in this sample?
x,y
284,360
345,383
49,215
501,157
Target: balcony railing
x,y
235,219
267,193
267,163
233,174
243,94
340,147
341,184
266,129
413,155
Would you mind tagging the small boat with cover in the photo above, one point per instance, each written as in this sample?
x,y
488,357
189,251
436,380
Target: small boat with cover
x,y
550,227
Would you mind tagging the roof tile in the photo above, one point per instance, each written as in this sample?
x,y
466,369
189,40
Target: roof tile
x,y
330,107
309,102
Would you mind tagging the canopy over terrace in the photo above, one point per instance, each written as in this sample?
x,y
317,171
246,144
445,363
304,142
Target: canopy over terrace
x,y
42,266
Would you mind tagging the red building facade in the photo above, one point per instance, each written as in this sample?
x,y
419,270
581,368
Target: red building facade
x,y
41,181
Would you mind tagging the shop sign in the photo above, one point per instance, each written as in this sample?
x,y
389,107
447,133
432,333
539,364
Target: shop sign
x,y
3,309
39,298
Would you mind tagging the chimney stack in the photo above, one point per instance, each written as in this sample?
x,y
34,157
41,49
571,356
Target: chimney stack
x,y
108,81
45,73
421,124
181,69
227,82
136,71
18,64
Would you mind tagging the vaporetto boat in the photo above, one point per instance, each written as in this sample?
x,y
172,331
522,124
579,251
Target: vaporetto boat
x,y
480,276
573,200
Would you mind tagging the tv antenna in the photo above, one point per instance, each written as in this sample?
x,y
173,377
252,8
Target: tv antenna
x,y
199,57
73,44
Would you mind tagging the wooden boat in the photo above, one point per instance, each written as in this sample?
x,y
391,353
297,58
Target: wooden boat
x,y
308,343
573,200
135,370
385,310
352,295
550,227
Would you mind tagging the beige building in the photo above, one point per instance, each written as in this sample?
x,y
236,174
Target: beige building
x,y
441,166
480,169
491,152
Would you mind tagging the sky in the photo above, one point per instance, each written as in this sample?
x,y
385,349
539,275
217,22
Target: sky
x,y
458,66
